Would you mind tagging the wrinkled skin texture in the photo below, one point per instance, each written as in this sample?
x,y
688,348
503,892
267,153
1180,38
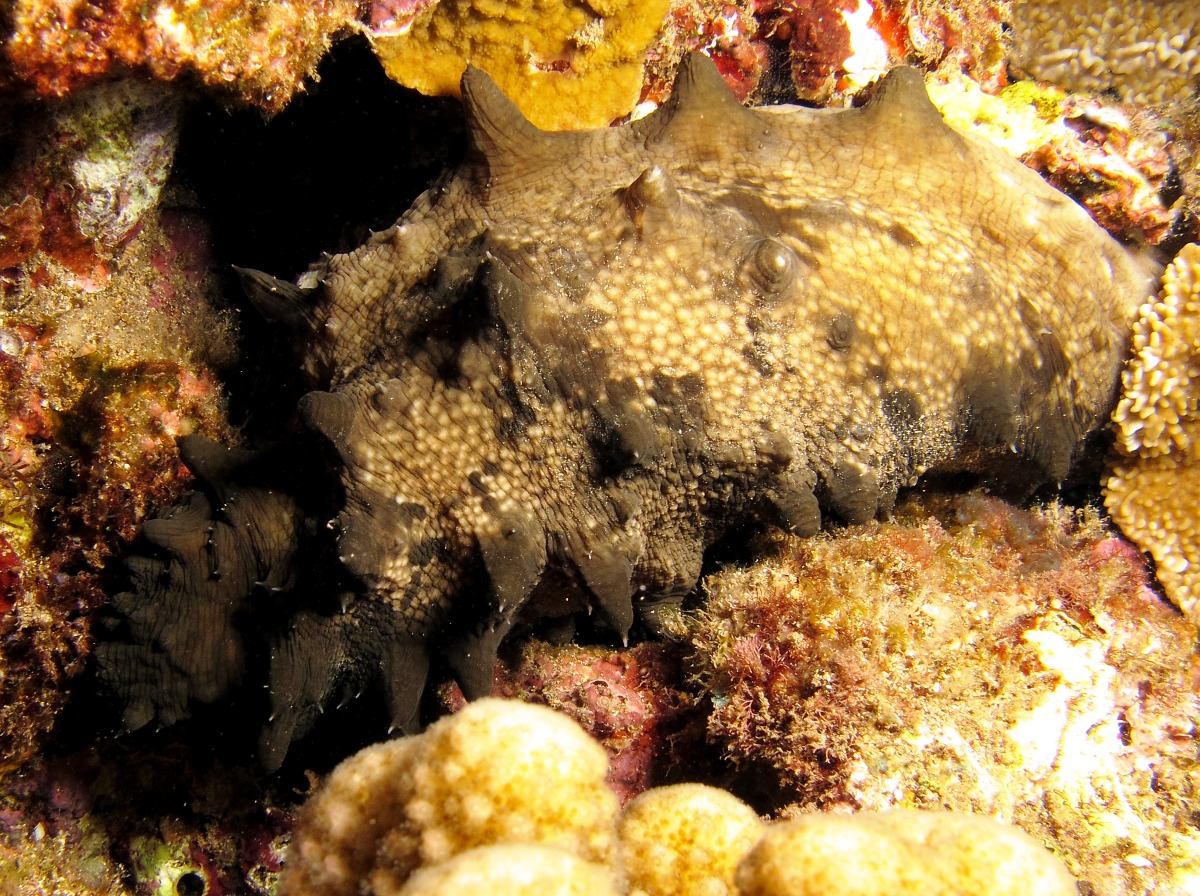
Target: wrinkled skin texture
x,y
583,356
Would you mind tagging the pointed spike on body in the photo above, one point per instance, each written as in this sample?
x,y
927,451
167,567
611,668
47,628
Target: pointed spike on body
x,y
608,574
900,104
184,531
701,110
514,553
405,667
473,657
277,300
699,86
211,461
795,504
331,414
362,545
496,128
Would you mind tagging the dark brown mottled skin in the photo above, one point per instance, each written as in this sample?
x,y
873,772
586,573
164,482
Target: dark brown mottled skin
x,y
582,357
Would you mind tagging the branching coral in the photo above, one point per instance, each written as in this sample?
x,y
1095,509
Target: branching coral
x,y
1152,492
1146,50
565,63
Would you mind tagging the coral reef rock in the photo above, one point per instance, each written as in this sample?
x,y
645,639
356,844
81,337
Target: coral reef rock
x,y
972,656
528,818
84,177
1152,492
583,357
257,52
1146,50
107,346
114,821
835,48
565,63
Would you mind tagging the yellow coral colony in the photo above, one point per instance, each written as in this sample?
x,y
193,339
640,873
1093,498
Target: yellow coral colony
x,y
565,63
1153,491
497,772
686,840
903,851
508,799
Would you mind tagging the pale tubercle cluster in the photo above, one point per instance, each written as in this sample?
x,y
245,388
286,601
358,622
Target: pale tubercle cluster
x,y
1152,490
509,798
1148,51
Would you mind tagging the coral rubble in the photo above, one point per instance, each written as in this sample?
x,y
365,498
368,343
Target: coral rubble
x,y
1152,491
258,52
972,656
565,63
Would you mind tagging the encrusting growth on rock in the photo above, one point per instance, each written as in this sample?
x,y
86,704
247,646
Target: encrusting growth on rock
x,y
565,63
967,655
583,357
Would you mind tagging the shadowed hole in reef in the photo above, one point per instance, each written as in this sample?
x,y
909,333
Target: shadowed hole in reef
x,y
190,884
348,156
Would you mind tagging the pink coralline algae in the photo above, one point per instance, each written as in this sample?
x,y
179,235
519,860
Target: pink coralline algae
x,y
1115,166
256,53
633,701
971,656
